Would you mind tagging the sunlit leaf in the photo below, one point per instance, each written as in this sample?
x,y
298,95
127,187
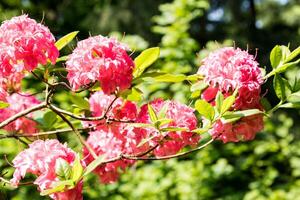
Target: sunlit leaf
x,y
275,56
62,42
152,114
205,109
227,103
144,60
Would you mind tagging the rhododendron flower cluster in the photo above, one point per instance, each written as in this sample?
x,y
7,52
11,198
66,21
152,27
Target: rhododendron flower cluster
x,y
24,44
119,132
17,103
113,139
226,70
169,142
40,159
100,59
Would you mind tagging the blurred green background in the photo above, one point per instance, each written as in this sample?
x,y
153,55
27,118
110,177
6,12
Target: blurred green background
x,y
267,168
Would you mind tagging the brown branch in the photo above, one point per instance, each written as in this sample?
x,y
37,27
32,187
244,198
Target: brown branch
x,y
45,133
83,142
23,113
140,157
170,156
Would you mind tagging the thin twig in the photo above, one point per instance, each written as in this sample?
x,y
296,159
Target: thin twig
x,y
83,142
23,113
44,133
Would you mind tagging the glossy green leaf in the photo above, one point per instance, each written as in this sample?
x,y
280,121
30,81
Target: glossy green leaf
x,y
80,102
284,67
161,122
281,87
294,97
144,60
62,169
219,101
173,129
62,42
205,109
290,105
77,170
3,104
152,114
200,130
141,125
234,116
293,55
49,119
201,85
163,111
276,56
135,95
58,187
170,78
61,59
227,103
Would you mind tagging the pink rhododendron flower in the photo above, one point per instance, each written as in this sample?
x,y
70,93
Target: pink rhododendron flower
x,y
242,130
181,115
110,141
113,139
100,59
119,110
40,159
17,103
228,69
25,44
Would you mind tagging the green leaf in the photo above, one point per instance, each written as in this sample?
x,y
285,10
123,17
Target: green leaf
x,y
205,109
294,97
281,87
200,130
201,85
49,119
293,55
194,77
163,111
62,169
276,56
62,42
3,104
135,95
152,114
57,187
61,59
227,103
173,129
141,125
77,170
234,116
219,101
161,122
93,165
144,60
290,105
284,67
170,78
80,102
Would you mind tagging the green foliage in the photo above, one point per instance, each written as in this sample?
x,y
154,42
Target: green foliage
x,y
144,60
62,42
205,109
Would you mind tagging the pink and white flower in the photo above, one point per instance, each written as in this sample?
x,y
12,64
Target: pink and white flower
x,y
100,59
